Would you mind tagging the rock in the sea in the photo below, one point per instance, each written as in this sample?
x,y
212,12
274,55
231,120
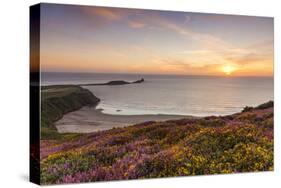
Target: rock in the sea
x,y
117,82
138,81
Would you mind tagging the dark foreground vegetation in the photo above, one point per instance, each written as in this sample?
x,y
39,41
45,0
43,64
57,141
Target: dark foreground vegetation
x,y
241,142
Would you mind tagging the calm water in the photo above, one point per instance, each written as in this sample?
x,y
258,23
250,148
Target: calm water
x,y
161,94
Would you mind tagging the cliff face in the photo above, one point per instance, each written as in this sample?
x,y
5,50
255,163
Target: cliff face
x,y
242,142
59,100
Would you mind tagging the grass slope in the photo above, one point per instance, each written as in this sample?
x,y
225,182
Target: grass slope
x,y
59,100
241,142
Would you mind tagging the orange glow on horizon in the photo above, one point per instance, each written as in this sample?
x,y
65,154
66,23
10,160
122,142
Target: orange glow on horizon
x,y
228,69
113,40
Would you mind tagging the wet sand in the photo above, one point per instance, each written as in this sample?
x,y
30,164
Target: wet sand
x,y
89,119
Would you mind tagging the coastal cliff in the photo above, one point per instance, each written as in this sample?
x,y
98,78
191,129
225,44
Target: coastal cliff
x,y
59,100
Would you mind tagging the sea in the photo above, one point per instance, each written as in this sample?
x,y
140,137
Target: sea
x,y
170,94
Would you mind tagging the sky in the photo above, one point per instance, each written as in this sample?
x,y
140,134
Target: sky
x,y
114,40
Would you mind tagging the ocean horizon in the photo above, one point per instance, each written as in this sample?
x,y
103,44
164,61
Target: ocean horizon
x,y
170,94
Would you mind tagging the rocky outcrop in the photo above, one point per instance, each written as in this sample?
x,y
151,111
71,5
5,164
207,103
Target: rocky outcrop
x,y
138,81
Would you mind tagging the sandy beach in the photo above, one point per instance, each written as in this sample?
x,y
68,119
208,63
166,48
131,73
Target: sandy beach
x,y
89,119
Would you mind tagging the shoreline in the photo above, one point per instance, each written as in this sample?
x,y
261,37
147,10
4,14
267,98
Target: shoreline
x,y
90,119
78,113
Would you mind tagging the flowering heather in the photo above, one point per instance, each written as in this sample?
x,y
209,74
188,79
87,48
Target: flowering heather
x,y
242,142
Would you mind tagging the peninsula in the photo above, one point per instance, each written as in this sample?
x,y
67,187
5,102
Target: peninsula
x,y
115,82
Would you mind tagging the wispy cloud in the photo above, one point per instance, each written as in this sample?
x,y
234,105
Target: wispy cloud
x,y
249,58
103,12
179,66
199,52
137,20
136,24
108,13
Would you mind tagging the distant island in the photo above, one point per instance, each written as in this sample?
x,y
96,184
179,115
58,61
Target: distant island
x,y
115,82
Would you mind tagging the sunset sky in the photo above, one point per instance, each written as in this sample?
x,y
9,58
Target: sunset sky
x,y
99,39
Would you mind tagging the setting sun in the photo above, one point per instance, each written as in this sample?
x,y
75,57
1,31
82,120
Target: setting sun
x,y
228,69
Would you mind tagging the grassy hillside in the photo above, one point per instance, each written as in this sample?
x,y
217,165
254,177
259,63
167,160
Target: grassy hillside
x,y
59,100
242,142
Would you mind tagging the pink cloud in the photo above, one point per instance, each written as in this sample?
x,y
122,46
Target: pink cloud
x,y
136,24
